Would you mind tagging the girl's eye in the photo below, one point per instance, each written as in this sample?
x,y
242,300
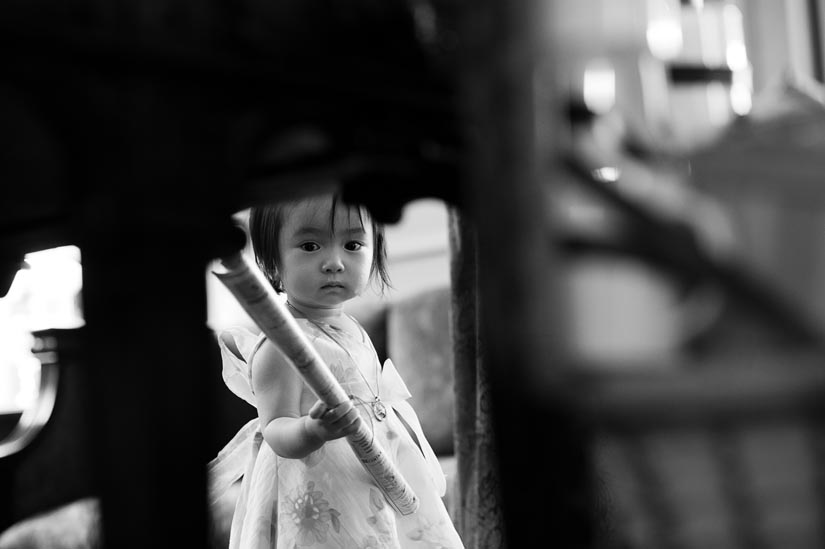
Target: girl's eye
x,y
309,246
353,246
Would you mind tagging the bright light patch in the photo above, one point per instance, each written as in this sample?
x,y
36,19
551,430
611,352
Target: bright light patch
x,y
599,86
664,38
664,29
736,56
741,92
741,100
607,174
45,295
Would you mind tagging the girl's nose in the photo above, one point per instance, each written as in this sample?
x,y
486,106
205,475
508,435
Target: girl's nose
x,y
333,264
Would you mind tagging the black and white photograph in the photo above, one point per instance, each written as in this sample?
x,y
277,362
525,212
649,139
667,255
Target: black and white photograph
x,y
412,274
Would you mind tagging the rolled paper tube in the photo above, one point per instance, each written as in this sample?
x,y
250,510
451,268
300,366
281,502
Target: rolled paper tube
x,y
258,299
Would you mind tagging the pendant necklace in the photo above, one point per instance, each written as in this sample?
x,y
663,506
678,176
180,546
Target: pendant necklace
x,y
379,409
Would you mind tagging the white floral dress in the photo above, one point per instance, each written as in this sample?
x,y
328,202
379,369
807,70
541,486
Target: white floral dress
x,y
327,499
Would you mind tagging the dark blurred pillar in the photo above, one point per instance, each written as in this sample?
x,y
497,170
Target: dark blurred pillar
x,y
477,509
542,448
146,238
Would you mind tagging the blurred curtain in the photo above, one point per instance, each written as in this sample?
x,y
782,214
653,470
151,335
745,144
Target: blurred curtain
x,y
477,508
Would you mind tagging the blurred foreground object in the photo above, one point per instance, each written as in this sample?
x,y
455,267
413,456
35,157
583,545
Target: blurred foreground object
x,y
766,170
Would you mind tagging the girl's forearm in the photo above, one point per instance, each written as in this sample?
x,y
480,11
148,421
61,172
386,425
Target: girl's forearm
x,y
291,437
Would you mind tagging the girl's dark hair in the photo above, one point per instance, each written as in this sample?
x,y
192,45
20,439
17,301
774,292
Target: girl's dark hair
x,y
266,222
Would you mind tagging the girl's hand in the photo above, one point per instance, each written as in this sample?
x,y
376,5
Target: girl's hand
x,y
327,424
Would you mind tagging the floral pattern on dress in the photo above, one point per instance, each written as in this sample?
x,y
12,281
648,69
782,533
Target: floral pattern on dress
x,y
427,531
371,542
338,370
312,516
351,377
327,499
379,521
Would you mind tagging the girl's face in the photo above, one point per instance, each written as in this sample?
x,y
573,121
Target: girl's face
x,y
322,264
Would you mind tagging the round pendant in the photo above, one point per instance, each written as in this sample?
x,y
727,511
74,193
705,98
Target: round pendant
x,y
379,410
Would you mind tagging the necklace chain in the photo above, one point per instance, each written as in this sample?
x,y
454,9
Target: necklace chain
x,y
378,408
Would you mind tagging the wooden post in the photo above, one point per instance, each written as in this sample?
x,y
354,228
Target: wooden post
x,y
145,242
542,449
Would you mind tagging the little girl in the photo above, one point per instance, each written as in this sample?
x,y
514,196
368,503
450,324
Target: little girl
x,y
302,484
